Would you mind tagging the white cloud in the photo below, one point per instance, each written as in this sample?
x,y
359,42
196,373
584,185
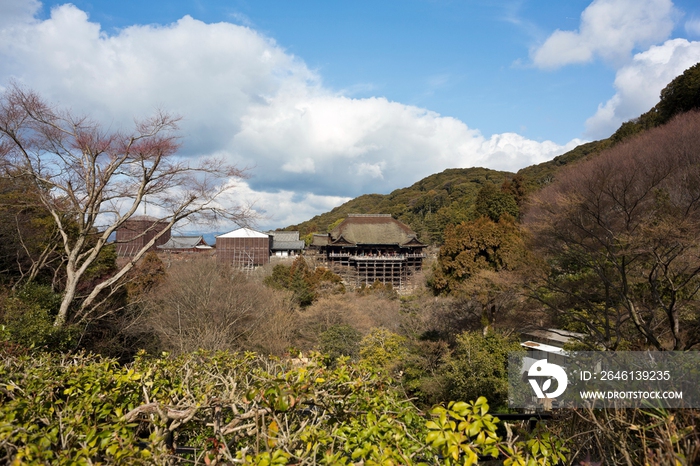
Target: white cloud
x,y
639,84
610,29
244,97
356,142
508,148
373,170
692,26
209,73
14,12
282,208
305,165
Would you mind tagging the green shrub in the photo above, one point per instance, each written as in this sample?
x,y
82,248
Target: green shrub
x,y
232,408
479,367
383,350
28,320
341,340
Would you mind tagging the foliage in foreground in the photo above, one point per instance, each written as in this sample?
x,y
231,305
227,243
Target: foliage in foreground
x,y
232,408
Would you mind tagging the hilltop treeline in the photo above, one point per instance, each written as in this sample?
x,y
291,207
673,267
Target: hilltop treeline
x,y
427,207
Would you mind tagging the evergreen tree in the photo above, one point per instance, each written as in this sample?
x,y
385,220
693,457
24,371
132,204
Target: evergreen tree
x,y
492,202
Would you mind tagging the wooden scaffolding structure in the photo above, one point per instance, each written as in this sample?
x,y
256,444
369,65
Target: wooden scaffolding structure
x,y
394,270
369,248
244,261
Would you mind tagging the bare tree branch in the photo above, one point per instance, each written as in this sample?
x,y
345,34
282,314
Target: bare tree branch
x,y
91,181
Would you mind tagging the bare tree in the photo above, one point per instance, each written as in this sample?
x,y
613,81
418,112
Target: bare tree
x,y
622,235
92,180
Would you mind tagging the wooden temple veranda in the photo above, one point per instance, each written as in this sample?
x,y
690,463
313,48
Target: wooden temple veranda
x,y
369,248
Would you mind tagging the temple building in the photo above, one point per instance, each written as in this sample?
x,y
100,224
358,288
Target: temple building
x,y
286,243
365,248
243,248
185,244
135,233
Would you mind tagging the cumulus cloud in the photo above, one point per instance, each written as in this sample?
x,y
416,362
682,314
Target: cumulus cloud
x,y
370,145
371,169
610,29
692,26
639,84
14,11
208,73
244,97
280,208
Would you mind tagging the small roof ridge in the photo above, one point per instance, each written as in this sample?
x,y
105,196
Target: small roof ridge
x,y
183,242
369,215
282,245
147,218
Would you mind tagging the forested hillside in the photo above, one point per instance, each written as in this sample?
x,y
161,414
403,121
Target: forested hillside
x,y
427,206
449,197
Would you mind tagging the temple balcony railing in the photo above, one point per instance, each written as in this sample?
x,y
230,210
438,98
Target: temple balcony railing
x,y
381,257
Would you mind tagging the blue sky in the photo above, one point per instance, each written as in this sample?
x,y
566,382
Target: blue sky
x,y
330,100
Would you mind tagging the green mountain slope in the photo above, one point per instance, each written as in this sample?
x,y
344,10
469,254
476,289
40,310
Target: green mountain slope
x,y
427,206
432,203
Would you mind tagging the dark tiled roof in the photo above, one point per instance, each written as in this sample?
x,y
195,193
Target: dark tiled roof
x,y
286,241
374,229
287,245
284,235
183,242
146,218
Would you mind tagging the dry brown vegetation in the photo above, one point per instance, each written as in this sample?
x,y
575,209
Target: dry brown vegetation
x,y
200,304
360,312
622,234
